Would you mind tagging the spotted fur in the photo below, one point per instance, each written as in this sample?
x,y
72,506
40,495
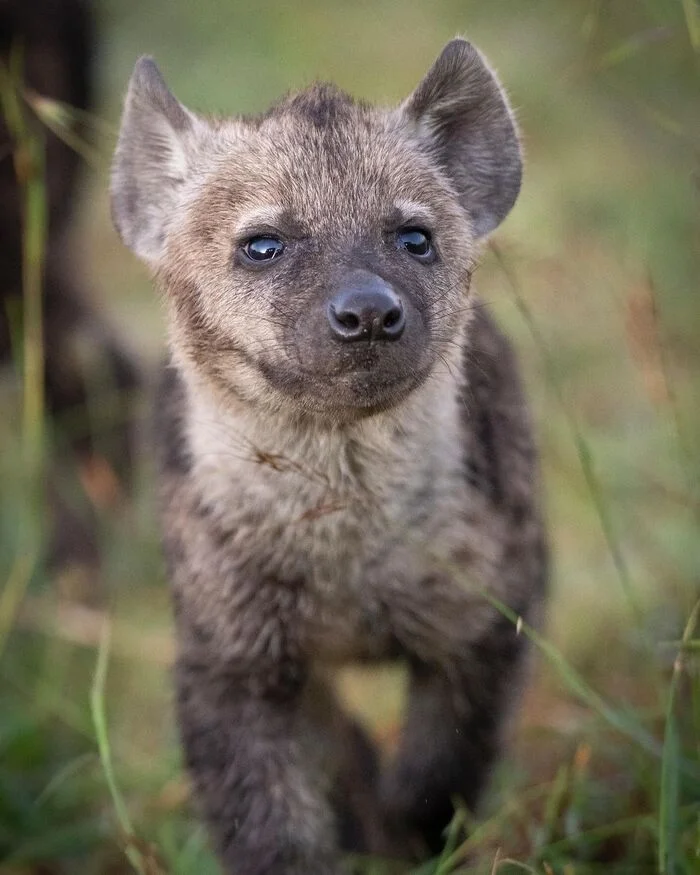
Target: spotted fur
x,y
324,503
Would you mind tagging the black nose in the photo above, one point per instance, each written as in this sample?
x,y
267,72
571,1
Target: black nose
x,y
367,310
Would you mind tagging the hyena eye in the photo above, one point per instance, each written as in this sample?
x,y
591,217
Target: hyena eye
x,y
260,249
416,242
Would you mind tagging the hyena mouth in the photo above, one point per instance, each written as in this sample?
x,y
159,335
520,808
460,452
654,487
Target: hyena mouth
x,y
363,385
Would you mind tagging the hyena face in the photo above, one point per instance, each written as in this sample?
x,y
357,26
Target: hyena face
x,y
318,256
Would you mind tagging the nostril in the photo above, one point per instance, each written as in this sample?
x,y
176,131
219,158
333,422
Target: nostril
x,y
348,319
392,318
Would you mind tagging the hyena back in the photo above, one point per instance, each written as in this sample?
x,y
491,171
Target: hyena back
x,y
347,467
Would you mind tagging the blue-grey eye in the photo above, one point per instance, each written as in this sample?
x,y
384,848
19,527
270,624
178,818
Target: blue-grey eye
x,y
416,242
260,249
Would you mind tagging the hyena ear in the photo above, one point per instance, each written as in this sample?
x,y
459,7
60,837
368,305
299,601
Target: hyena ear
x,y
462,113
151,161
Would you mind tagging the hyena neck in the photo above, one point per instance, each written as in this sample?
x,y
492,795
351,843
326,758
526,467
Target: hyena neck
x,y
233,441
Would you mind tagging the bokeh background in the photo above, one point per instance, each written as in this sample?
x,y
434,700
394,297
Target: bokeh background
x,y
595,277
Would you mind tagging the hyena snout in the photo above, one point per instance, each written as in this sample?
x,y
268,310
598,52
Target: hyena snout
x,y
367,308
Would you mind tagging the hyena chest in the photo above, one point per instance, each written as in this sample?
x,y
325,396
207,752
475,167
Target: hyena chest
x,y
330,546
344,547
349,553
336,552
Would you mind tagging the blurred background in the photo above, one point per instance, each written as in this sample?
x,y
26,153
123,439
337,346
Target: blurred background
x,y
595,277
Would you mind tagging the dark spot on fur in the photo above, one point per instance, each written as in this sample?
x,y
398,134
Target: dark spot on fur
x,y
170,438
174,552
323,105
486,439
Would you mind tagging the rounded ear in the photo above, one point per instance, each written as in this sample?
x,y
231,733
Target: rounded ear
x,y
151,161
462,114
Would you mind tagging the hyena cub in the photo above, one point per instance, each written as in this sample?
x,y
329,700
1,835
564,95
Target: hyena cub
x,y
347,466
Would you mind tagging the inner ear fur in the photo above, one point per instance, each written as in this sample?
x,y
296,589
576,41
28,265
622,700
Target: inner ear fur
x,y
151,161
462,115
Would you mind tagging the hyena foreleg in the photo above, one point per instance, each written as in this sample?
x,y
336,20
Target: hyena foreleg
x,y
250,754
467,664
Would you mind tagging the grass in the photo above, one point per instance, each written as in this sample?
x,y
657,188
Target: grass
x,y
595,278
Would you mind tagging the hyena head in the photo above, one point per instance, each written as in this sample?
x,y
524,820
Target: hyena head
x,y
317,257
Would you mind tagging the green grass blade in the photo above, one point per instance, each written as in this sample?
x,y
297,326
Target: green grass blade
x,y
582,449
576,683
669,801
670,790
68,771
97,709
634,45
691,9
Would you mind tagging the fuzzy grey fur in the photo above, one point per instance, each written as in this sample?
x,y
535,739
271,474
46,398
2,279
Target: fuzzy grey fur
x,y
324,502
